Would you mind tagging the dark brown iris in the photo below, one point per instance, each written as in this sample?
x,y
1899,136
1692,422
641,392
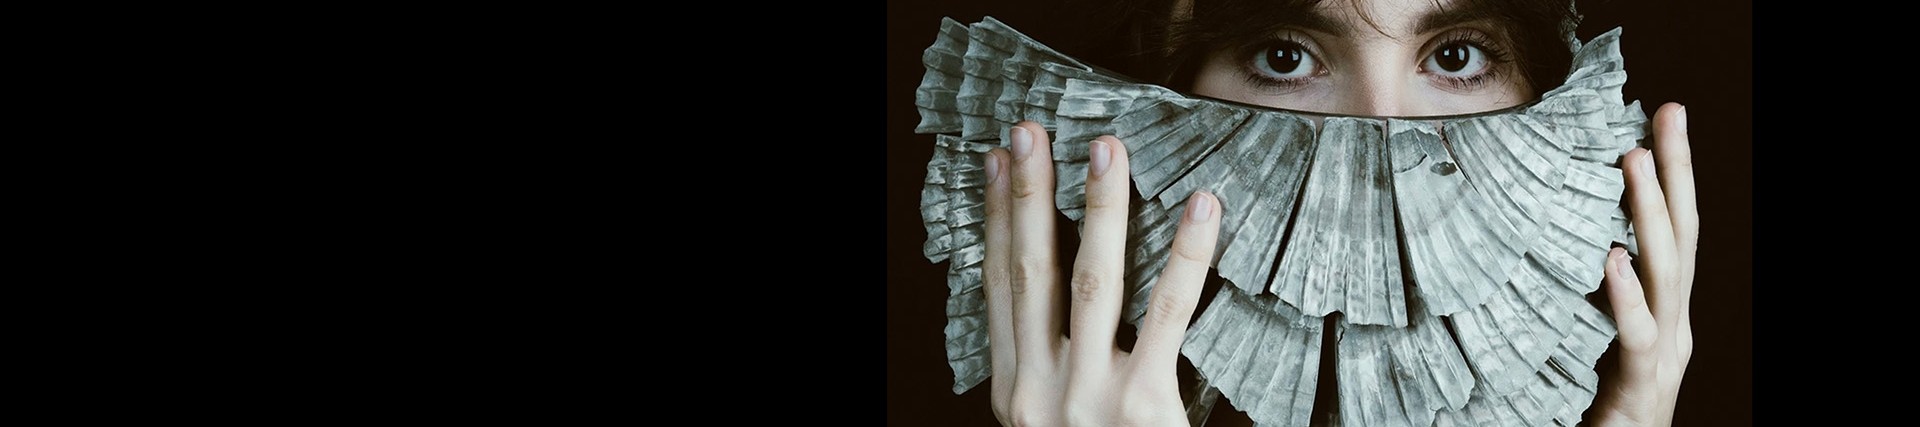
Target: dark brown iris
x,y
1285,58
1452,58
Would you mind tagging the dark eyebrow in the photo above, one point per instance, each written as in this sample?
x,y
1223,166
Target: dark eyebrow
x,y
1313,19
1468,11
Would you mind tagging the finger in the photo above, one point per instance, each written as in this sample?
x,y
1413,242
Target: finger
x,y
1659,262
995,279
1674,154
1096,284
1032,265
1637,329
1177,291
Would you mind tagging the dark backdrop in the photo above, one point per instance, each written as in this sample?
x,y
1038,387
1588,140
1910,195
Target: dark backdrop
x,y
1698,53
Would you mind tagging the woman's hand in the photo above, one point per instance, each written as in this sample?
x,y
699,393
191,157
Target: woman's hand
x,y
1041,378
1651,303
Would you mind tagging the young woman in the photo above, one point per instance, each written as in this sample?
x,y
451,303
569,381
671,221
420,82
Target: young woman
x,y
1350,57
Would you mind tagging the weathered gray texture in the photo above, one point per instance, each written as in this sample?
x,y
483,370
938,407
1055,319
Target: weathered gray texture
x,y
1080,118
1458,248
1399,376
1458,252
1343,255
1256,178
941,85
1267,362
953,203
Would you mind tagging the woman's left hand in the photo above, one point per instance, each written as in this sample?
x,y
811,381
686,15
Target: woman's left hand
x,y
1651,302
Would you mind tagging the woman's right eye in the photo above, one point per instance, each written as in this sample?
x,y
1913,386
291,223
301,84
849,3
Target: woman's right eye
x,y
1285,61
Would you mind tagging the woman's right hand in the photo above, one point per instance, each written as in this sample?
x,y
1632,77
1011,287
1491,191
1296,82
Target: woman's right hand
x,y
1652,304
1040,377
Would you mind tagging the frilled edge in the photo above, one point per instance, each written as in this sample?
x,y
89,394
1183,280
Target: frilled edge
x,y
1573,207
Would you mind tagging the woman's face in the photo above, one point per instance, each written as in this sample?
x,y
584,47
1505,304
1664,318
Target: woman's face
x,y
1413,59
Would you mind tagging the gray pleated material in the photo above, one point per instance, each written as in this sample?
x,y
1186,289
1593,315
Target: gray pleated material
x,y
1269,360
1343,255
1048,85
953,205
941,85
1396,376
933,204
1457,253
989,45
1087,110
1257,179
1458,247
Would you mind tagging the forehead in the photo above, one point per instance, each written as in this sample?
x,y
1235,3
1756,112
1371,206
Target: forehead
x,y
1364,18
1394,17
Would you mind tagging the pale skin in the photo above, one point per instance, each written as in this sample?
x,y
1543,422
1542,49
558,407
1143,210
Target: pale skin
x,y
1042,378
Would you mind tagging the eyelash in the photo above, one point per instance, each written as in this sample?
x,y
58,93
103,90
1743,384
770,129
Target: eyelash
x,y
1496,57
1265,83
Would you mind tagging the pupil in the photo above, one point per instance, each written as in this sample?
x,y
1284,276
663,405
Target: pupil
x,y
1453,58
1285,60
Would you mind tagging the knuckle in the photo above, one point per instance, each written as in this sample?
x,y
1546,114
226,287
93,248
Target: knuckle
x,y
1027,187
1669,278
1081,415
1001,412
1024,414
1167,304
1097,200
994,278
1076,417
1088,284
995,207
1139,414
1685,342
1026,271
1190,252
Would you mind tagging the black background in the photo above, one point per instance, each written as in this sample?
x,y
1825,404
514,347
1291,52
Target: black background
x,y
1697,53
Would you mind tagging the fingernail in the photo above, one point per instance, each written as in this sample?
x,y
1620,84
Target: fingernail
x,y
1683,119
1022,143
1199,208
993,168
1646,165
1100,156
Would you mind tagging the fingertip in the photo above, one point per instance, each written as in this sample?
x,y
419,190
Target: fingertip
x,y
1681,118
1035,131
1639,161
995,163
1671,108
1672,114
1636,154
1030,125
1671,137
1119,148
1099,156
1201,208
1623,287
1214,202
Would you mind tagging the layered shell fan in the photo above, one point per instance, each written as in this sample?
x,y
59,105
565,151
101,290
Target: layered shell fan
x,y
1449,258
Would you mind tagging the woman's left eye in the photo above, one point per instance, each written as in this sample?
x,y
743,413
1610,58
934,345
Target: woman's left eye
x,y
1457,60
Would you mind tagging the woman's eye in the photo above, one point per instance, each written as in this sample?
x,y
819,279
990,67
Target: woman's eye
x,y
1284,61
1457,60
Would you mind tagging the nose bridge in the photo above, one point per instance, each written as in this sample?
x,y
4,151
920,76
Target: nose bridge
x,y
1379,87
1379,81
